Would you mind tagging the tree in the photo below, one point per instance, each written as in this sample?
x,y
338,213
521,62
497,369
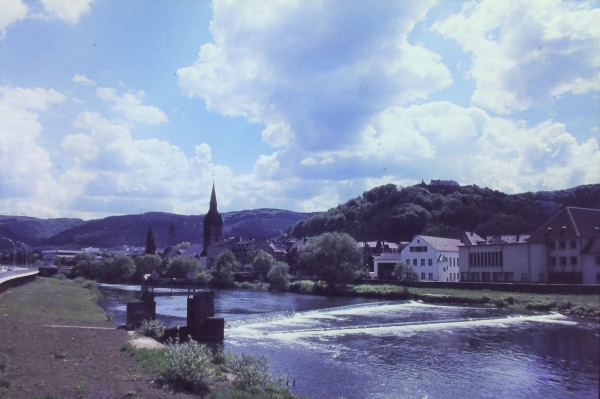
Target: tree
x,y
145,265
333,257
263,262
224,268
118,269
181,265
405,273
279,276
150,242
87,266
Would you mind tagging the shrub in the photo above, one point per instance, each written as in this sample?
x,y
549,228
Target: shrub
x,y
510,300
60,276
4,382
485,299
279,276
302,286
188,365
541,306
500,303
251,371
152,328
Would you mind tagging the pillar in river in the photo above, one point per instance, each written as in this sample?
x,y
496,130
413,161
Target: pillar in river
x,y
140,310
201,320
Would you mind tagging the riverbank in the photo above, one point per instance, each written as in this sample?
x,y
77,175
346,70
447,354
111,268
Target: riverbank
x,y
580,306
60,345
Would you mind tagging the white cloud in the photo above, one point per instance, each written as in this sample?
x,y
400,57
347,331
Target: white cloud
x,y
11,11
77,78
313,72
67,10
527,52
130,106
24,164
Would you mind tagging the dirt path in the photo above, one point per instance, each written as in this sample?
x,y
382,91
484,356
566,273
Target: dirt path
x,y
75,361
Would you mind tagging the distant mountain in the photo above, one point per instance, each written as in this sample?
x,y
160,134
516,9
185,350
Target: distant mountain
x,y
395,213
169,229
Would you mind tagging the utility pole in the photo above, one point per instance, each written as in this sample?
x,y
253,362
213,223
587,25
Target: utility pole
x,y
26,248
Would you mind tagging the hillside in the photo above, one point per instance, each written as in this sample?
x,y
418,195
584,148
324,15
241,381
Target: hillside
x,y
397,214
169,229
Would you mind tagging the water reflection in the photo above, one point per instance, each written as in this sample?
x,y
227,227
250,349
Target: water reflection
x,y
361,348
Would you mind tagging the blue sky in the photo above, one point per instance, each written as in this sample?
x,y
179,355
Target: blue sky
x,y
119,107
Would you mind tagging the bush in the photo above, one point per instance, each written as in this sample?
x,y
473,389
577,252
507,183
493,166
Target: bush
x,y
541,306
302,286
510,300
251,371
181,265
118,269
223,270
59,276
152,328
279,276
485,299
188,365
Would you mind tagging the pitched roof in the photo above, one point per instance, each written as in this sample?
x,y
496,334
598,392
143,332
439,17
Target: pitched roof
x,y
389,256
441,244
471,238
592,247
570,222
508,239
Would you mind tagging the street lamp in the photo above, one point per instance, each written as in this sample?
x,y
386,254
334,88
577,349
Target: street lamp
x,y
26,249
14,249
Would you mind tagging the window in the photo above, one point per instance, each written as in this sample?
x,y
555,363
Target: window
x,y
563,260
552,245
553,261
430,262
422,262
524,277
486,276
418,249
422,276
475,276
414,262
508,277
573,244
431,276
562,245
573,260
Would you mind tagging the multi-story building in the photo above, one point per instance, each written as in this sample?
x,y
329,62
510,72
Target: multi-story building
x,y
433,258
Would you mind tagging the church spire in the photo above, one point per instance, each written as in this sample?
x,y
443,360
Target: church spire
x,y
213,199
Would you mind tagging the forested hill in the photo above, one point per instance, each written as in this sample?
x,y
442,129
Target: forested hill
x,y
168,228
397,214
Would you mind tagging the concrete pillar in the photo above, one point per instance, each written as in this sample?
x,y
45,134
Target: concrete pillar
x,y
138,311
200,317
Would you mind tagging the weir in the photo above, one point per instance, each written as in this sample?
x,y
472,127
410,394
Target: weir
x,y
201,321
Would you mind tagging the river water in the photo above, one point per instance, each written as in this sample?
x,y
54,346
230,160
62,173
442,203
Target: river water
x,y
361,348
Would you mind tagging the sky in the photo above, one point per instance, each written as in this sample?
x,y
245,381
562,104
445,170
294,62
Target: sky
x,y
125,107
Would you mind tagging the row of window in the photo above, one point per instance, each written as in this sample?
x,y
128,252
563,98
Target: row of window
x,y
418,249
562,260
563,244
415,262
423,276
487,276
483,259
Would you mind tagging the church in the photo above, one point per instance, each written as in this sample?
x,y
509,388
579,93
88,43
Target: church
x,y
213,241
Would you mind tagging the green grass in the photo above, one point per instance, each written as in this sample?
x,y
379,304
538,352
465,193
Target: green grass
x,y
53,300
152,362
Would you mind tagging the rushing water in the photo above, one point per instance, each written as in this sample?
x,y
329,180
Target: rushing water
x,y
361,348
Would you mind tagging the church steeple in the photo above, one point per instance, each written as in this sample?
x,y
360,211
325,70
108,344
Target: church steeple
x,y
213,200
213,224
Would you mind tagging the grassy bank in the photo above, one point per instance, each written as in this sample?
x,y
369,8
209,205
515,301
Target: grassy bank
x,y
584,306
54,300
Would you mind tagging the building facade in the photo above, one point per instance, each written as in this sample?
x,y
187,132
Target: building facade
x,y
433,258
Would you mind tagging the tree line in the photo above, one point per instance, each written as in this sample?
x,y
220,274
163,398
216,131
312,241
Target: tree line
x,y
395,213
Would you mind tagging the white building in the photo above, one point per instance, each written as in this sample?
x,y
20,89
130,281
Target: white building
x,y
384,264
433,258
507,258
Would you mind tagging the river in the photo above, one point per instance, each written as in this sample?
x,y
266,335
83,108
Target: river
x,y
363,348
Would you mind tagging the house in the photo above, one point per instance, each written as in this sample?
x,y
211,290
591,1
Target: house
x,y
372,249
503,258
433,258
572,243
384,264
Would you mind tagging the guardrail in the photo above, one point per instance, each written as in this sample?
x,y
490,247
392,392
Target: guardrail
x,y
17,278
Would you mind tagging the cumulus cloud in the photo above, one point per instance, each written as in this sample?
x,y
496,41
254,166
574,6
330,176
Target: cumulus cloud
x,y
67,10
130,106
24,164
11,11
526,52
313,72
77,78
